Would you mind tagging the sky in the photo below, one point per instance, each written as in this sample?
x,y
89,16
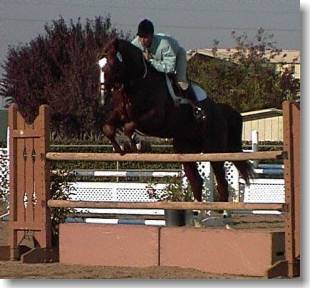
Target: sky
x,y
194,23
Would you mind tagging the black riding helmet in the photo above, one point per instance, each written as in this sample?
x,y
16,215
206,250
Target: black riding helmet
x,y
145,28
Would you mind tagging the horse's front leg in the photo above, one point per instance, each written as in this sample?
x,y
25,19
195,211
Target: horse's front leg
x,y
129,130
109,131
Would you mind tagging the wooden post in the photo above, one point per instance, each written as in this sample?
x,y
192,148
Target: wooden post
x,y
292,186
290,266
254,138
30,224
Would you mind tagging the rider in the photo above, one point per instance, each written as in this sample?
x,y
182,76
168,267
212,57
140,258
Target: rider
x,y
165,55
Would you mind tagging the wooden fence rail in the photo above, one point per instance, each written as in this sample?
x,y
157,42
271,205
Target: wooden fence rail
x,y
157,157
165,205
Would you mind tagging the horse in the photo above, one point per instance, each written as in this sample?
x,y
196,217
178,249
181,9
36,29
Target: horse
x,y
140,100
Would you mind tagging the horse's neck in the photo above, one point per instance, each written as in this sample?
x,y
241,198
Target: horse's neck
x,y
137,67
144,83
135,63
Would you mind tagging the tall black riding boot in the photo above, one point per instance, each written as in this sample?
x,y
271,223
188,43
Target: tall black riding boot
x,y
198,108
189,93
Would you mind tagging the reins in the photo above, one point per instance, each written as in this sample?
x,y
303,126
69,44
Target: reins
x,y
145,67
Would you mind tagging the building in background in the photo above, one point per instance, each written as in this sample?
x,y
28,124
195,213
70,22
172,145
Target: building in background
x,y
267,122
285,59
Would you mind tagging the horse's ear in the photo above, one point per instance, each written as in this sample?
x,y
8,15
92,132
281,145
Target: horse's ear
x,y
112,45
114,42
101,54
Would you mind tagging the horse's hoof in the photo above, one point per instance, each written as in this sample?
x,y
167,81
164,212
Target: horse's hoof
x,y
226,214
228,227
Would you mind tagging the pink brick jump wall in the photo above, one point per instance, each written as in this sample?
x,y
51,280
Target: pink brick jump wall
x,y
220,251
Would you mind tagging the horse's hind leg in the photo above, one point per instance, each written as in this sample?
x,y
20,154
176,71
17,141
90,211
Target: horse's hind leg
x,y
196,182
222,184
133,143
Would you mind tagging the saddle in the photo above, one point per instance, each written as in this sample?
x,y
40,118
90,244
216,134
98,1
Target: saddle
x,y
175,91
179,96
176,87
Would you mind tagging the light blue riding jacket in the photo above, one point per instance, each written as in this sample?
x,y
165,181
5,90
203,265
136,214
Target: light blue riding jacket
x,y
164,50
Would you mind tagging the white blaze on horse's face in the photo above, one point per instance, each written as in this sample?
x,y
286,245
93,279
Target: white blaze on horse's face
x,y
102,62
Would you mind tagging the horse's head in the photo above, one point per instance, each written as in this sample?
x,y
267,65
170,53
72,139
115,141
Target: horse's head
x,y
125,63
114,67
111,70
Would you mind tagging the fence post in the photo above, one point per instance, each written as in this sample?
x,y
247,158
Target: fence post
x,y
30,223
291,132
290,266
254,138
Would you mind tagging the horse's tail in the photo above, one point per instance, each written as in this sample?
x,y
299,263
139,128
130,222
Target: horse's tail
x,y
246,170
234,118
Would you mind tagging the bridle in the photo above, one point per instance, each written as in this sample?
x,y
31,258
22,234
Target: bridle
x,y
117,86
145,68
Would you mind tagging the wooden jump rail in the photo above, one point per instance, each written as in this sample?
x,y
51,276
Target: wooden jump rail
x,y
156,157
30,199
165,205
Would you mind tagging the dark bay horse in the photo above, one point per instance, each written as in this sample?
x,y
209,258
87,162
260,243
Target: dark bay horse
x,y
140,100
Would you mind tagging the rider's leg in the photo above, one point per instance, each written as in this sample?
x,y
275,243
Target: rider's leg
x,y
181,77
189,93
186,87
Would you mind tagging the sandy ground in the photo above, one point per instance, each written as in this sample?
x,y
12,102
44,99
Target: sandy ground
x,y
14,269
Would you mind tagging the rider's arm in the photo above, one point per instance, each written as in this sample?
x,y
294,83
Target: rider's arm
x,y
168,59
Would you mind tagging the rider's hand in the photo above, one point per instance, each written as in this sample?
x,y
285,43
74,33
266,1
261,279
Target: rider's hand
x,y
147,55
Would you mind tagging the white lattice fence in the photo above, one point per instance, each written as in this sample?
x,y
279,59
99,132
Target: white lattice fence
x,y
4,173
116,191
265,191
113,191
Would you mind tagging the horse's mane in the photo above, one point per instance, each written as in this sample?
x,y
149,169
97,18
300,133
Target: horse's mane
x,y
132,52
125,46
129,51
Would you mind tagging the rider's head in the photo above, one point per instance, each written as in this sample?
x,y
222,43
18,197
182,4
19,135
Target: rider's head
x,y
146,33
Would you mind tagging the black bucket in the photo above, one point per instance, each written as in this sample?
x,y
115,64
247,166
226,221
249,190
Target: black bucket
x,y
178,217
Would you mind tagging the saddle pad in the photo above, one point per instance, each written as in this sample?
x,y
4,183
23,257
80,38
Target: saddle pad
x,y
199,92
